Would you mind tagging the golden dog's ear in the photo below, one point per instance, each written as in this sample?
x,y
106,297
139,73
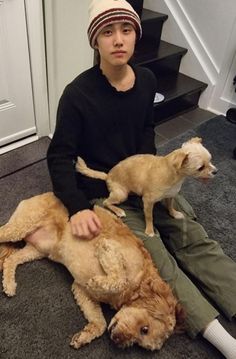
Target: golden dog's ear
x,y
180,315
158,286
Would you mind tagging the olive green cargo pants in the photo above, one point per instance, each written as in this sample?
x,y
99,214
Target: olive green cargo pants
x,y
181,248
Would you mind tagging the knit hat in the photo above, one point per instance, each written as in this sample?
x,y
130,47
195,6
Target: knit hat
x,y
107,12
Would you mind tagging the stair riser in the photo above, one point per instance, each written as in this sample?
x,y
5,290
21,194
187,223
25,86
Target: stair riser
x,y
137,5
164,111
164,66
153,29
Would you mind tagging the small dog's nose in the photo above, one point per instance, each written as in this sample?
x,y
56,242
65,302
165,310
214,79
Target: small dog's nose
x,y
118,338
215,171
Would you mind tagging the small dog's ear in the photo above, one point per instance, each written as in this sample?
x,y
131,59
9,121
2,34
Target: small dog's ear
x,y
180,159
192,140
196,140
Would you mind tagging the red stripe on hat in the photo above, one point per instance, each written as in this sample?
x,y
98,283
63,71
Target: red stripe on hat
x,y
115,17
110,11
110,21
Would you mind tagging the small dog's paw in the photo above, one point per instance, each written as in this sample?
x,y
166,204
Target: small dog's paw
x,y
149,232
120,213
178,215
9,289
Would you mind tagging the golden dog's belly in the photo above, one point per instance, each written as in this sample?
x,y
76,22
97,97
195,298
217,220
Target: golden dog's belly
x,y
80,258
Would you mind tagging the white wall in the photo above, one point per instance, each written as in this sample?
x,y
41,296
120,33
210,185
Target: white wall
x,y
208,29
213,20
68,50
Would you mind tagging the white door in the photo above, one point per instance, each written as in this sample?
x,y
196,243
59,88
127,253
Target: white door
x,y
16,100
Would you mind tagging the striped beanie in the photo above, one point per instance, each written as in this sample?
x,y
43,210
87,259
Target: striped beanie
x,y
107,12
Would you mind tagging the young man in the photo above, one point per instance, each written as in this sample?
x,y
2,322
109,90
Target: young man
x,y
104,116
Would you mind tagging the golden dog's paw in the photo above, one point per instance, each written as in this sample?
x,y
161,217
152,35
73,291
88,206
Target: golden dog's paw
x,y
93,283
107,285
9,289
79,339
90,332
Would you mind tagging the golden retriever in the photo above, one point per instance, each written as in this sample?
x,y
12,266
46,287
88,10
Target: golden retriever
x,y
113,268
153,177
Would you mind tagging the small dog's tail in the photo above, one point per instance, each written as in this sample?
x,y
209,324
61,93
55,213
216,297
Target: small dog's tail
x,y
83,168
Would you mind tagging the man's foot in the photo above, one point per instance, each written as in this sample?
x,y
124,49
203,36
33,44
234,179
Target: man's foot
x,y
221,339
231,115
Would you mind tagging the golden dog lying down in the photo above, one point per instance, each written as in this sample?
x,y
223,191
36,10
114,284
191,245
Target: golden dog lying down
x,y
153,177
113,268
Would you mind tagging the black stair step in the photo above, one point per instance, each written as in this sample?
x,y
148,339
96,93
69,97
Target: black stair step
x,y
177,85
181,93
165,57
149,15
152,23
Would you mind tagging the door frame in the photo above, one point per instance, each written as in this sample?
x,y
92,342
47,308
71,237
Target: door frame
x,y
37,54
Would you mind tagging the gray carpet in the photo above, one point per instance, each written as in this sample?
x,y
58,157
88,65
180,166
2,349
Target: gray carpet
x,y
40,320
24,156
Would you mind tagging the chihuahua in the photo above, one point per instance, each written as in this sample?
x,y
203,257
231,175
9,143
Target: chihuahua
x,y
154,178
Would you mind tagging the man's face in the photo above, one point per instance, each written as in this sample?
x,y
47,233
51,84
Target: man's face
x,y
116,43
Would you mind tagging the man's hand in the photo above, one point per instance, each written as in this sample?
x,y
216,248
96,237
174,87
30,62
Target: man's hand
x,y
85,224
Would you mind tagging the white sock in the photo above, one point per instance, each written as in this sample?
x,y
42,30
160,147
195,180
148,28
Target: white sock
x,y
221,339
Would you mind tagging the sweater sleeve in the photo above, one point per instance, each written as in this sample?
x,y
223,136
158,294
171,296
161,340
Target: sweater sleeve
x,y
62,154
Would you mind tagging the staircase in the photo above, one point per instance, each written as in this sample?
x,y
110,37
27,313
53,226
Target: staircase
x,y
181,92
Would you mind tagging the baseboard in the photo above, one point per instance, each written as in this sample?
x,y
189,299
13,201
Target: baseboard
x,y
18,144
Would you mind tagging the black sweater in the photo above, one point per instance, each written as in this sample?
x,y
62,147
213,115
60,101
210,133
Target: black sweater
x,y
103,126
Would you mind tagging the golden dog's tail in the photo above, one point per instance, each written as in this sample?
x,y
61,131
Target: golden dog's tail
x,y
83,168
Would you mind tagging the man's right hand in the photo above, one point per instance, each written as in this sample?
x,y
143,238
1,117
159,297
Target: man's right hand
x,y
85,224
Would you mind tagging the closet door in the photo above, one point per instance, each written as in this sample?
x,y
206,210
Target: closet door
x,y
16,100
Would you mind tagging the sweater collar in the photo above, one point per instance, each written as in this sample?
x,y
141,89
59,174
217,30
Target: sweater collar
x,y
108,85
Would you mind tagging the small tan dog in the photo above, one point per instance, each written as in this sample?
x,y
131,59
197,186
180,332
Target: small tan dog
x,y
113,268
153,177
